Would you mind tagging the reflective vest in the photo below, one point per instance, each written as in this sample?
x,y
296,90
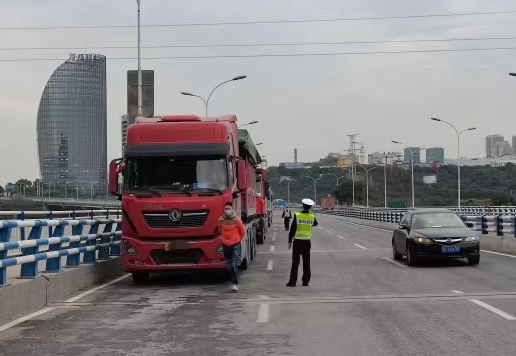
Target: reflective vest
x,y
304,224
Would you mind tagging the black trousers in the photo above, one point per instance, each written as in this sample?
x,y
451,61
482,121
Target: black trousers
x,y
287,223
301,248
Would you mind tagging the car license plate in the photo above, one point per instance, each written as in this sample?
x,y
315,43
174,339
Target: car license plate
x,y
450,249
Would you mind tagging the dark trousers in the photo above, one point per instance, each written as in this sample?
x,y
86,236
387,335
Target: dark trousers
x,y
232,256
287,223
301,248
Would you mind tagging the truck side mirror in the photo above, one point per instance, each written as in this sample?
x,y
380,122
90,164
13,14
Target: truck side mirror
x,y
114,171
241,175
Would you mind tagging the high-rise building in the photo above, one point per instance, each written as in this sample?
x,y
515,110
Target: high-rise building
x,y
491,144
147,94
72,123
295,155
376,158
124,123
514,144
503,148
407,157
435,154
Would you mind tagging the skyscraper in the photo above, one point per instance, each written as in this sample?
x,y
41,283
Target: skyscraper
x,y
503,148
491,145
72,123
514,144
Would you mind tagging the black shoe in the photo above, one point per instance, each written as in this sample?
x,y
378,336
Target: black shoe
x,y
305,284
289,284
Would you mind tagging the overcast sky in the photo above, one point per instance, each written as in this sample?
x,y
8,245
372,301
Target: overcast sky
x,y
308,102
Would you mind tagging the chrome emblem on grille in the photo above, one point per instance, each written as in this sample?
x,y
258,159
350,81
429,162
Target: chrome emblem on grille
x,y
175,215
448,241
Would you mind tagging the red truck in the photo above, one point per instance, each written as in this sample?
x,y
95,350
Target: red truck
x,y
178,171
263,205
328,203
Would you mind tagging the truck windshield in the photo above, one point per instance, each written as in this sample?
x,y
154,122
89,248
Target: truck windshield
x,y
186,174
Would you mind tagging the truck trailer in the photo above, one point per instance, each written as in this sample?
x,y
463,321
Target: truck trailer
x,y
178,171
263,205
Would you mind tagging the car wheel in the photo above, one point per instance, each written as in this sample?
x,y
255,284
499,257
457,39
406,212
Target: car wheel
x,y
141,277
395,254
411,258
474,260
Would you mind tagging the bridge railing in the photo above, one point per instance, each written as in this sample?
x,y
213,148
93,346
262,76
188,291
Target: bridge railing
x,y
497,220
80,236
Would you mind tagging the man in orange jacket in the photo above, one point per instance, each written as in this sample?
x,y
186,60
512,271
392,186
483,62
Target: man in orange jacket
x,y
232,232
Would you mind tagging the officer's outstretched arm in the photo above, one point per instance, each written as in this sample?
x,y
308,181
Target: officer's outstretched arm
x,y
315,222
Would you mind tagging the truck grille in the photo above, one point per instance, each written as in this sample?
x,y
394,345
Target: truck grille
x,y
189,218
162,257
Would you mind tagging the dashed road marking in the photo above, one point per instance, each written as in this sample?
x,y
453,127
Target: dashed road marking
x,y
360,246
493,309
273,238
457,291
263,313
272,248
394,262
499,254
342,237
269,265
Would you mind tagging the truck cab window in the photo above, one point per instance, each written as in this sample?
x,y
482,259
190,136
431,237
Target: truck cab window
x,y
176,173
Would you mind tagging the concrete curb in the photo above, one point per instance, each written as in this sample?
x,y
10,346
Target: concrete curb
x,y
502,244
25,296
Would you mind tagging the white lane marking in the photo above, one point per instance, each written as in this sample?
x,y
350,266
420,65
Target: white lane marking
x,y
393,262
362,247
93,290
273,238
457,291
493,309
24,318
272,248
269,265
342,237
263,297
263,313
499,254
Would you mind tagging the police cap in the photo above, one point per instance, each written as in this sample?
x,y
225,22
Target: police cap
x,y
309,202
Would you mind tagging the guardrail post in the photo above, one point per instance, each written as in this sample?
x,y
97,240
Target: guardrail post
x,y
89,256
50,217
115,249
499,225
5,236
21,216
484,224
104,251
30,270
75,259
54,264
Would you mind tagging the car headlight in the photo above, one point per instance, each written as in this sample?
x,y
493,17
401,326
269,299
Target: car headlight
x,y
423,240
220,249
472,238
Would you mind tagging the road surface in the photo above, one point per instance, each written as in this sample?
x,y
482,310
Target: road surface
x,y
360,302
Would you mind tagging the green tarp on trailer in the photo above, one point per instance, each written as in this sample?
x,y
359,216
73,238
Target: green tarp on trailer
x,y
246,143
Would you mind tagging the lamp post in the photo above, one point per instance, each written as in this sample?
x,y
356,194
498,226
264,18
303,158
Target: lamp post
x,y
288,179
412,168
207,102
140,105
337,178
458,152
315,186
367,181
249,123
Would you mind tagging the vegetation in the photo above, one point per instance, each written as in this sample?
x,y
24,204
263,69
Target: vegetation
x,y
27,188
479,184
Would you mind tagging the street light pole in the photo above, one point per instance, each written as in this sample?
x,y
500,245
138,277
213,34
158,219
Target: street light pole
x,y
367,181
458,153
140,105
385,181
207,102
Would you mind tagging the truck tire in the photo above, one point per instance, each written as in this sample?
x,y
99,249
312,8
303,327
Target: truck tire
x,y
141,277
259,238
246,261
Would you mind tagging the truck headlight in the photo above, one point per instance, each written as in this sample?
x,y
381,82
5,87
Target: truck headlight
x,y
130,249
471,239
220,249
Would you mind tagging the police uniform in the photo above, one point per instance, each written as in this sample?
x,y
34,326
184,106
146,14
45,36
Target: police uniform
x,y
299,238
287,215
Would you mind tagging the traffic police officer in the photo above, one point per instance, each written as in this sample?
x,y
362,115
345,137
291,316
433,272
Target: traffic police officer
x,y
287,215
300,237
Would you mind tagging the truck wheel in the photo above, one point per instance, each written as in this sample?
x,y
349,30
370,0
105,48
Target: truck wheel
x,y
259,238
141,277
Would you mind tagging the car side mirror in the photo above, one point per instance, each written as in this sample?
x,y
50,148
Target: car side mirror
x,y
470,225
403,227
114,171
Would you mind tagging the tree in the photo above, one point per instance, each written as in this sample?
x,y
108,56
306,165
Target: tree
x,y
24,182
345,192
2,190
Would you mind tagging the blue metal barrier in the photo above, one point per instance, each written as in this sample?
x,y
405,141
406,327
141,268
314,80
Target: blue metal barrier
x,y
107,242
476,220
506,224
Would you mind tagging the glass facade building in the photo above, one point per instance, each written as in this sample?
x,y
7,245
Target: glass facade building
x,y
435,154
72,123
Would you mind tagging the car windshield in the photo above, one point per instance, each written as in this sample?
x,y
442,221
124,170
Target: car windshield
x,y
436,220
176,174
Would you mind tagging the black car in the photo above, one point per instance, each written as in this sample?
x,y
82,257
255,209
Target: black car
x,y
435,234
